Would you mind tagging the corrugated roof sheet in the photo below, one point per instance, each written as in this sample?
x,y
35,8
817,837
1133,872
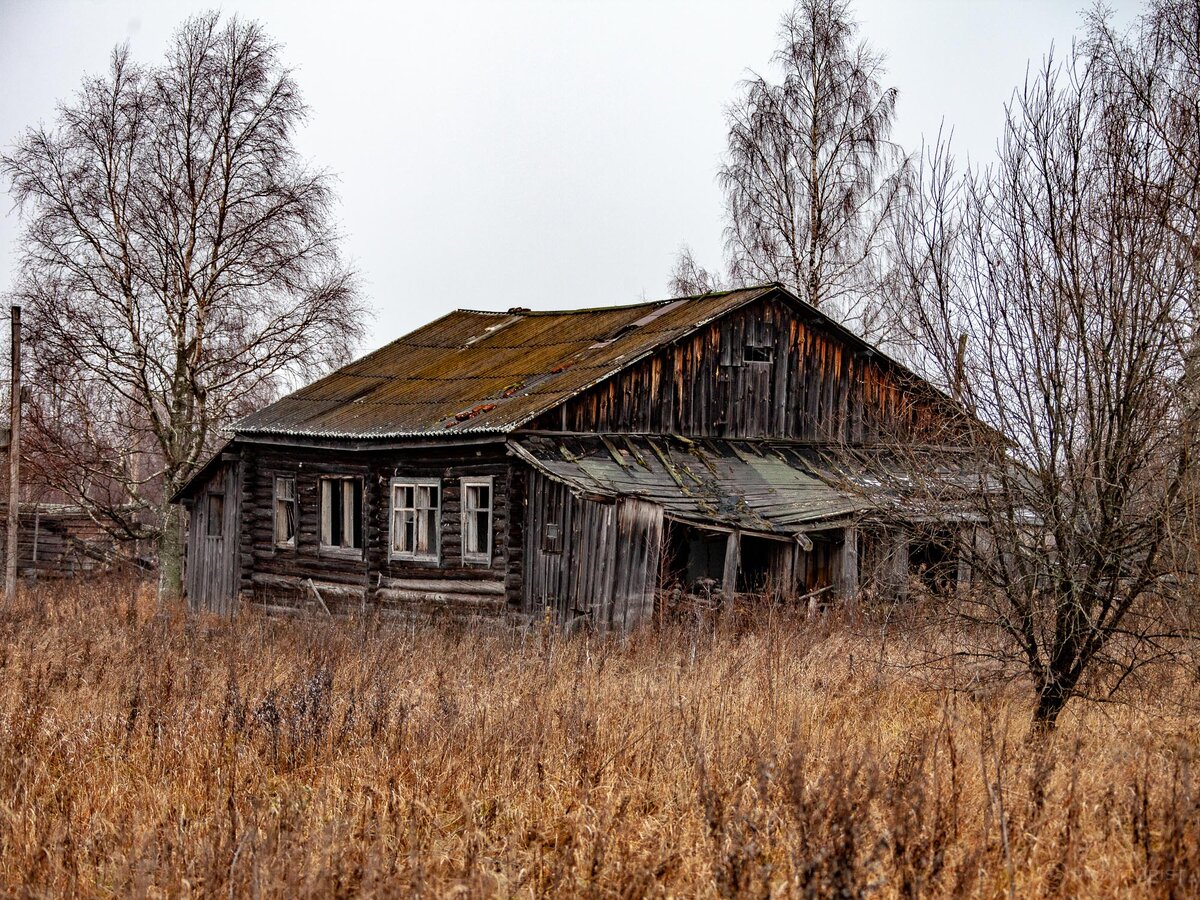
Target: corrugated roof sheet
x,y
472,372
753,486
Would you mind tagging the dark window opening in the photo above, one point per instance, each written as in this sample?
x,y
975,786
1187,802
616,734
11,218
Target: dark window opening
x,y
215,526
754,570
755,354
341,513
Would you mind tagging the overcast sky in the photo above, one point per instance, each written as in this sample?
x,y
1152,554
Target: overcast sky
x,y
542,153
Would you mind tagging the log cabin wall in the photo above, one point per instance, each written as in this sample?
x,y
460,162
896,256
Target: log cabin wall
x,y
370,577
762,371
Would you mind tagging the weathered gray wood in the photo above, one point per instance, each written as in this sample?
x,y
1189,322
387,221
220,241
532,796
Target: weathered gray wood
x,y
443,585
730,572
639,547
848,573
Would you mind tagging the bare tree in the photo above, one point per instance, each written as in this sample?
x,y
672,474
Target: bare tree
x,y
179,263
690,278
810,175
1049,293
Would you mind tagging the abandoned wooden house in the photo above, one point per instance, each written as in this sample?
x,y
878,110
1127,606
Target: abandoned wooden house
x,y
57,538
586,461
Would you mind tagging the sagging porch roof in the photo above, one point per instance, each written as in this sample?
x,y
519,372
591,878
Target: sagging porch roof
x,y
756,486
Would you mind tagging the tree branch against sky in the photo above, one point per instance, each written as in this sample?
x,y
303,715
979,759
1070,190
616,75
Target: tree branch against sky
x,y
179,264
1057,272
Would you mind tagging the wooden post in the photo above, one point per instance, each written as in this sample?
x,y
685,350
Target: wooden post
x,y
732,555
14,462
848,574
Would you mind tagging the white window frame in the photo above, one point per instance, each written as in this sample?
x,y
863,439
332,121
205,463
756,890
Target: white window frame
x,y
485,557
412,556
347,515
290,543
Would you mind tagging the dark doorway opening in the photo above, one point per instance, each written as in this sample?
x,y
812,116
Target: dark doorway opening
x,y
935,564
694,558
754,572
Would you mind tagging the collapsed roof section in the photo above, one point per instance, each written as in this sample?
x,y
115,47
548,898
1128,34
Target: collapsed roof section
x,y
747,485
765,487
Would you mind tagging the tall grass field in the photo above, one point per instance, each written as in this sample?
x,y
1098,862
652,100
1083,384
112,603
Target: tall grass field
x,y
149,753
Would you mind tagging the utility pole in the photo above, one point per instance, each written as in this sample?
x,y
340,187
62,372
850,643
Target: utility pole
x,y
14,463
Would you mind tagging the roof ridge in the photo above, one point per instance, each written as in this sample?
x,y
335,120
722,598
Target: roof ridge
x,y
603,309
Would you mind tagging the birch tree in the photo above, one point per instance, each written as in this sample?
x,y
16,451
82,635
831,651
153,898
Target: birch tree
x,y
179,263
810,175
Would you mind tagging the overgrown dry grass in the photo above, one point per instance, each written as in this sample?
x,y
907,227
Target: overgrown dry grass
x,y
144,753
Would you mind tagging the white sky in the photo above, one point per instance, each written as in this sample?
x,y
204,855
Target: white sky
x,y
540,153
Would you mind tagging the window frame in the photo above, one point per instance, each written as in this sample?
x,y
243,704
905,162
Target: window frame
x,y
276,500
481,558
406,556
331,549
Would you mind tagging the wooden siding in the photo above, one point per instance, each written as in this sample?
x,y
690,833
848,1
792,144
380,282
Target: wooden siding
x,y
211,567
592,560
815,388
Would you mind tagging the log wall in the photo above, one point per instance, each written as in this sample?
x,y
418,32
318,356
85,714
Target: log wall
x,y
342,580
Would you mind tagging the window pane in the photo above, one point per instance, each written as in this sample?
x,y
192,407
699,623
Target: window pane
x,y
356,514
326,507
483,527
429,532
335,512
215,526
290,513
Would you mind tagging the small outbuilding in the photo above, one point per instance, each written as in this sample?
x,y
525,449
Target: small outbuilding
x,y
583,461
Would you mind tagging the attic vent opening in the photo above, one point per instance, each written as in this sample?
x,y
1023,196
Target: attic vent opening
x,y
753,353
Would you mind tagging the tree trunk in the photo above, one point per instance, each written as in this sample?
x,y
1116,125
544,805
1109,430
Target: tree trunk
x,y
170,555
1052,698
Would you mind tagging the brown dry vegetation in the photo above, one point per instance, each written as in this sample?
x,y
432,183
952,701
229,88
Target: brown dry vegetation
x,y
144,753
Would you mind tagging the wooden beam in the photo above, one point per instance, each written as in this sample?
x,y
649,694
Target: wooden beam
x,y
733,548
14,462
848,570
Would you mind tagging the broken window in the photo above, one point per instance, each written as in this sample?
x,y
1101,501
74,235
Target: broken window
x,y
215,526
416,519
477,520
758,353
341,513
285,511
